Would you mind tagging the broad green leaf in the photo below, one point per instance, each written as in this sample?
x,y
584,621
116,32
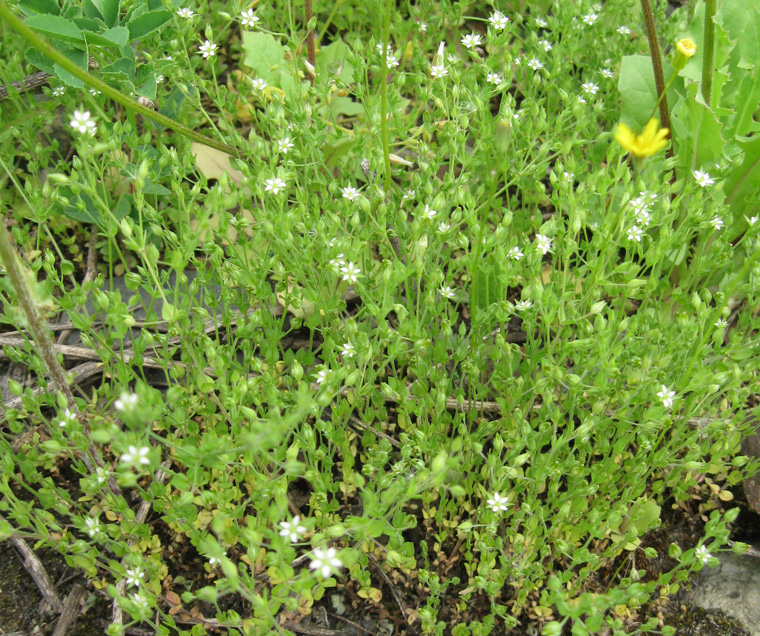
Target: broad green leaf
x,y
112,37
696,131
56,27
147,22
36,7
486,288
638,92
743,183
332,63
266,56
123,68
110,12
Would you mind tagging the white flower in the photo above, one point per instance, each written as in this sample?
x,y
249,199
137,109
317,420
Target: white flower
x,y
391,61
590,18
348,350
58,91
208,49
389,49
494,78
94,528
635,233
350,272
546,44
667,396
607,73
325,561
447,292
423,27
215,560
522,305
535,64
721,323
703,178
751,220
498,21
82,122
274,185
284,145
259,84
624,30
643,217
590,88
443,227
540,22
136,455
350,193
322,376
716,222
438,70
702,554
101,475
159,78
248,18
337,262
134,576
185,13
140,599
94,92
67,418
497,503
127,402
409,194
569,175
515,253
292,529
470,40
543,244
429,212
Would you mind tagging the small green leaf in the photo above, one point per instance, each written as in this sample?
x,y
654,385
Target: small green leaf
x,y
112,37
266,56
56,27
147,23
36,7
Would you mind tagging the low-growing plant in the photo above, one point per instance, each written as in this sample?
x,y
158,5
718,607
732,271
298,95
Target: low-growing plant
x,y
402,330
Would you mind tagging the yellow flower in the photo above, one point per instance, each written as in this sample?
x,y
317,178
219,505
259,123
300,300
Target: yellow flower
x,y
686,47
650,141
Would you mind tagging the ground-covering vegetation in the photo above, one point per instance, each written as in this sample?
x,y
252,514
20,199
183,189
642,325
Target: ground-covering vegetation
x,y
429,317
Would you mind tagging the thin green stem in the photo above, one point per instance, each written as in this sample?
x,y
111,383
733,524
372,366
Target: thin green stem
x,y
709,48
384,94
44,47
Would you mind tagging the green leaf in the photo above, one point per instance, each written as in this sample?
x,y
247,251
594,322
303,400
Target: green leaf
x,y
743,182
266,56
36,7
638,92
117,36
148,22
486,288
56,27
332,63
110,12
79,57
697,132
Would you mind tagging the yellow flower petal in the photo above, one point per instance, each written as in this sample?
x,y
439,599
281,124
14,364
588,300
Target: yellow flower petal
x,y
650,141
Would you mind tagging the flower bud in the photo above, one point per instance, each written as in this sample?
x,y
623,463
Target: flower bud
x,y
686,48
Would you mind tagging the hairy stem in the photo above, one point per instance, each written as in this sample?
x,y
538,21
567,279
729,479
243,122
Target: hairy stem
x,y
659,78
709,44
309,38
384,94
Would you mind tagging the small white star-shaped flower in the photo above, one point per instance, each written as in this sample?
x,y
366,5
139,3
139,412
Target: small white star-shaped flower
x,y
348,350
717,222
590,88
497,503
702,554
543,244
447,292
438,70
185,13
605,72
635,233
541,23
498,21
546,44
292,529
443,227
127,402
248,18
590,18
259,84
667,396
624,30
134,576
470,40
274,185
429,213
326,562
350,272
67,418
751,220
136,456
703,178
721,323
515,253
284,145
208,49
391,61
350,193
93,526
494,78
423,27
58,91
322,376
535,64
522,305
82,122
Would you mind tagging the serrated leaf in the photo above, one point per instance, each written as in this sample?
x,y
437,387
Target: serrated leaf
x,y
743,182
117,36
638,92
36,7
55,26
697,131
147,22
